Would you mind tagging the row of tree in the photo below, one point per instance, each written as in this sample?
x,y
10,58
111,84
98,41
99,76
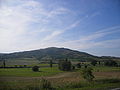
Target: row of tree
x,y
106,63
66,65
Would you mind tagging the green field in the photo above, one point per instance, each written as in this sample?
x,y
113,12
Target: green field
x,y
27,72
23,78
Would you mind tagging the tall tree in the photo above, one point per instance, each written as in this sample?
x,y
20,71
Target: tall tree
x,y
51,63
4,64
110,63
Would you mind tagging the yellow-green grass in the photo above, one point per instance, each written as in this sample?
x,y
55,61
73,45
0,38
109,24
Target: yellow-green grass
x,y
27,72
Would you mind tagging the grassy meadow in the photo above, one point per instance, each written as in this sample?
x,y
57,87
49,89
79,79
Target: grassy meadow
x,y
27,72
25,79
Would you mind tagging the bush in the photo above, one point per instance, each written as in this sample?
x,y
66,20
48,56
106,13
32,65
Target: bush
x,y
78,65
25,66
87,74
35,68
65,65
93,62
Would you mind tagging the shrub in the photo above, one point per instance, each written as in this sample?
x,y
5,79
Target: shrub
x,y
25,66
78,65
87,74
35,68
65,65
93,62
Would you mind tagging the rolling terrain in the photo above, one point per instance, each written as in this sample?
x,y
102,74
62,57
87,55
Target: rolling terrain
x,y
55,54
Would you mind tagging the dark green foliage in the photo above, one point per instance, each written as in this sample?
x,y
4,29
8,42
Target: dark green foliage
x,y
93,62
35,68
65,65
110,63
78,65
87,74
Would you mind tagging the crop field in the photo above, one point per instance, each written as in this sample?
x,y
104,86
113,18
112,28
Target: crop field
x,y
27,72
24,78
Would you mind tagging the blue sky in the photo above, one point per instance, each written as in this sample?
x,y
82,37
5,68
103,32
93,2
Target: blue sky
x,y
92,26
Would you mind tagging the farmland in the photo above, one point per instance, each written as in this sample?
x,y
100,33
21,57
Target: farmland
x,y
58,72
22,78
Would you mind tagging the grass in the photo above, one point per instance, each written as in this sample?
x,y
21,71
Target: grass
x,y
25,78
36,85
27,72
100,84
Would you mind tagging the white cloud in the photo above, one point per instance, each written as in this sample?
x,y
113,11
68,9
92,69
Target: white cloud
x,y
16,17
87,42
58,32
53,34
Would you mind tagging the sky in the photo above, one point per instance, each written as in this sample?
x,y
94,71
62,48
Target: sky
x,y
91,26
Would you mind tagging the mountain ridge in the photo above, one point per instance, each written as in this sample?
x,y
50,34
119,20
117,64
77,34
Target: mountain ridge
x,y
53,53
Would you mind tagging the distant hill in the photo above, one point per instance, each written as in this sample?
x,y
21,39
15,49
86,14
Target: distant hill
x,y
53,53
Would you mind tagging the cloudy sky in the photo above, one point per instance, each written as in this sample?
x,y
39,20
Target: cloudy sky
x,y
92,26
